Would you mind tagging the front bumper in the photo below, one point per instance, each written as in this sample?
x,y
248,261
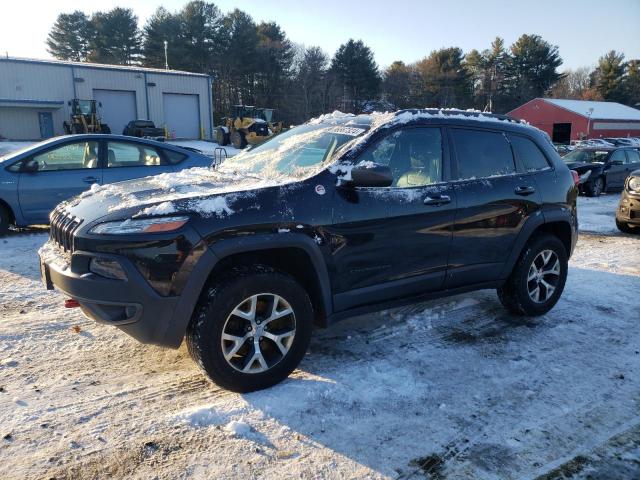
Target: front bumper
x,y
131,305
629,209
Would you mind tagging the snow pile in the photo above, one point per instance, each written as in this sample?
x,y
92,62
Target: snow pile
x,y
212,206
238,428
328,117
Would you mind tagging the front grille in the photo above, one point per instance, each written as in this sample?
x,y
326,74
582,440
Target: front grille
x,y
63,226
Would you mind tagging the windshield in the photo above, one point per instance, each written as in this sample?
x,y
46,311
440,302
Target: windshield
x,y
297,153
586,156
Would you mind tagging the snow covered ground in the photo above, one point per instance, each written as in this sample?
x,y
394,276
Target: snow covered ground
x,y
598,214
452,388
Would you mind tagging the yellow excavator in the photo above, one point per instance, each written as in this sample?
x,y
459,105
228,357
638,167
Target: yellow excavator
x,y
84,118
247,125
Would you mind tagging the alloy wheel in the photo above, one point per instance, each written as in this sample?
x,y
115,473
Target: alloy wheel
x,y
543,276
258,333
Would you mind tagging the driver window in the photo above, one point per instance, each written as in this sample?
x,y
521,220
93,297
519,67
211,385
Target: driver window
x,y
618,156
414,156
71,156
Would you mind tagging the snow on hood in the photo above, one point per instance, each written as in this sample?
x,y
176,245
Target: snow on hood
x,y
208,192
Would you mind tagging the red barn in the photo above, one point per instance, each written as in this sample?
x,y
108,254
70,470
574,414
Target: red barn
x,y
566,120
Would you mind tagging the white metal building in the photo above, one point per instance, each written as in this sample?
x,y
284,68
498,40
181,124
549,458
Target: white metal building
x,y
34,96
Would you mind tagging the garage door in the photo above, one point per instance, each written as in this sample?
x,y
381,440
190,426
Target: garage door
x,y
182,115
118,108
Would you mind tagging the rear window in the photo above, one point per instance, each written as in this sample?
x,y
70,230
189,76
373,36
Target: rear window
x,y
528,153
174,157
482,154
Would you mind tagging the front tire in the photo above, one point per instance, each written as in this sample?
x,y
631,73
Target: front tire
x,y
238,140
222,137
538,279
251,328
5,221
595,188
625,227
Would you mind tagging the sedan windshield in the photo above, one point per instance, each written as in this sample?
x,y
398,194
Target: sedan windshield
x,y
299,153
586,156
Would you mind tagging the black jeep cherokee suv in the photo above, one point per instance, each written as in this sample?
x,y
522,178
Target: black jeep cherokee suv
x,y
340,216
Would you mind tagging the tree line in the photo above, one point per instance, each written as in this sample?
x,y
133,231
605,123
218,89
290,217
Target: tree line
x,y
257,64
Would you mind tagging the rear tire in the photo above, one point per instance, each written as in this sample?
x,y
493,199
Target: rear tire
x,y
5,220
238,139
258,348
222,137
626,228
595,188
532,271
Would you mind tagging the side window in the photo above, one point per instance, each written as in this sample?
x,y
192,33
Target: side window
x,y
71,156
618,156
414,156
482,154
633,156
124,154
174,157
528,153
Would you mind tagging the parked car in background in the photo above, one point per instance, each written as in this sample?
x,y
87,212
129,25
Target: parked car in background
x,y
335,218
142,128
563,149
602,169
594,142
35,179
624,141
628,213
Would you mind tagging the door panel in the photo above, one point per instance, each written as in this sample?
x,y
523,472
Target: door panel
x,y
491,210
63,172
388,243
615,174
46,124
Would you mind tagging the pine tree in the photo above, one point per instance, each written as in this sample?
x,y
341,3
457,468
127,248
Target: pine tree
x,y
201,30
632,83
116,39
442,80
356,74
532,69
163,26
608,76
69,37
311,83
275,56
396,84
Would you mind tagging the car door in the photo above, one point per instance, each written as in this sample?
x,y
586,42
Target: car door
x,y
125,160
494,201
615,169
393,242
50,176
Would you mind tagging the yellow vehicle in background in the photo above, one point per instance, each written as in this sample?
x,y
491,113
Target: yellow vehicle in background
x,y
247,125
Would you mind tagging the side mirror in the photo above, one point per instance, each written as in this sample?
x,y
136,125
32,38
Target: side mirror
x,y
369,174
30,166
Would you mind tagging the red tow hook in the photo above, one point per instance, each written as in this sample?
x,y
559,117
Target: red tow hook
x,y
71,303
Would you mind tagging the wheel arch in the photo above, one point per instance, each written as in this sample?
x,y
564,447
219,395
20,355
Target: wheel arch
x,y
297,256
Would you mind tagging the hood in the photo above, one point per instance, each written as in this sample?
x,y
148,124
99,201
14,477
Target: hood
x,y
199,190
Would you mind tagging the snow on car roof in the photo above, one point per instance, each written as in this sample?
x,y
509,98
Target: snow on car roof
x,y
601,110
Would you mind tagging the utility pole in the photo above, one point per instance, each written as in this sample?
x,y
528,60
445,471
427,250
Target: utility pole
x,y
166,58
589,113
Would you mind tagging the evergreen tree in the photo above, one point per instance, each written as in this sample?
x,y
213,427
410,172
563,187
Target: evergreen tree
x,y
355,73
69,37
312,84
275,56
116,37
442,80
396,84
201,31
532,69
163,26
608,77
632,83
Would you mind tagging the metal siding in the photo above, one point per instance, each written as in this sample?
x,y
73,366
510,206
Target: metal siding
x,y
182,114
118,107
52,81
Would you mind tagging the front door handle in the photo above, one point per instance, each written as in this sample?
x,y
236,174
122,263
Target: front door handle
x,y
525,190
90,180
437,200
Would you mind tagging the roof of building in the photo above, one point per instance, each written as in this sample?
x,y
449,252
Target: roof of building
x,y
601,110
131,68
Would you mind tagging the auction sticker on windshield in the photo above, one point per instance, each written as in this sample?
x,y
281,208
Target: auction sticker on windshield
x,y
351,131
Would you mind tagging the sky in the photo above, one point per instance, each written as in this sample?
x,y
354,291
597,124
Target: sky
x,y
404,30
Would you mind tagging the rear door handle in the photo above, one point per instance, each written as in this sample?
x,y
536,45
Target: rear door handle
x,y
437,200
90,180
525,190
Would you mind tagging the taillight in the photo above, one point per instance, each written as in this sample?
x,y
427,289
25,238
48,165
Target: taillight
x,y
576,177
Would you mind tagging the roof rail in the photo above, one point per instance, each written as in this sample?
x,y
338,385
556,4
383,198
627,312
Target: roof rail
x,y
456,111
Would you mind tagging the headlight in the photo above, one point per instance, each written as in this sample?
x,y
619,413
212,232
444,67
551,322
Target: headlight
x,y
634,184
145,225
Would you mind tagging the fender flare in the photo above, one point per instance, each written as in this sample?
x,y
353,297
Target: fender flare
x,y
218,251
